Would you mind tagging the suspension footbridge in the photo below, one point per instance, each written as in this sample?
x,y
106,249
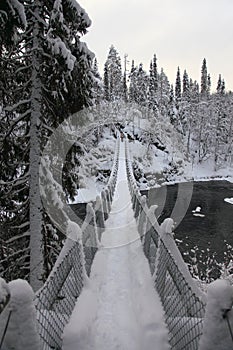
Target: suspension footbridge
x,y
124,284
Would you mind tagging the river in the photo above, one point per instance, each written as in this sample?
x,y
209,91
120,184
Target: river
x,y
207,225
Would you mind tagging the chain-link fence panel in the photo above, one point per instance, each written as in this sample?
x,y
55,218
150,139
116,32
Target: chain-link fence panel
x,y
55,301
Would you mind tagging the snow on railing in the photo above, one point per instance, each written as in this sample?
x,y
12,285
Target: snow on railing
x,y
218,321
184,304
18,326
56,299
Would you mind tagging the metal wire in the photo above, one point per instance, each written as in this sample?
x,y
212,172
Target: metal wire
x,y
5,329
56,300
184,311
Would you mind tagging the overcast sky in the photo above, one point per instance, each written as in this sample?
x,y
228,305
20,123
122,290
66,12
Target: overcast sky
x,y
180,33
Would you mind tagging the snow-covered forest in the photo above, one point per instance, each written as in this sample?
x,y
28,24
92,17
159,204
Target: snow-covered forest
x,y
47,74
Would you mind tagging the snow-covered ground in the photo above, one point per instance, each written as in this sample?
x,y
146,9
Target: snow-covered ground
x,y
95,164
160,157
119,309
158,154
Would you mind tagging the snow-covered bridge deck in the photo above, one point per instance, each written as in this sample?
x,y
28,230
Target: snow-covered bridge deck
x,y
119,308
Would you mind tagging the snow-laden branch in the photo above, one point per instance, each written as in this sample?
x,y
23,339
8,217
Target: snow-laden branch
x,y
58,47
18,8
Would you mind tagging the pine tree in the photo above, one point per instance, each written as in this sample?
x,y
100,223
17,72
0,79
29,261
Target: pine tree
x,y
132,86
125,87
219,84
98,92
172,111
163,92
113,81
152,100
141,86
204,80
185,90
178,86
42,68
155,73
106,83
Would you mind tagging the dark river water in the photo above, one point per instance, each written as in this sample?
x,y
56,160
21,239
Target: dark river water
x,y
208,220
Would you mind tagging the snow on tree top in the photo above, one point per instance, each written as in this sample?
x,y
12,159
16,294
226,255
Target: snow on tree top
x,y
80,11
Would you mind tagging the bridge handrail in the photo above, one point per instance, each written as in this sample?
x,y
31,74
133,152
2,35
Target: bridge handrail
x,y
56,299
184,304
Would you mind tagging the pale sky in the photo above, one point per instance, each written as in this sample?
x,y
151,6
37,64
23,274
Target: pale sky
x,y
180,33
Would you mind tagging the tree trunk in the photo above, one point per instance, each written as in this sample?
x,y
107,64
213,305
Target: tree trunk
x,y
36,236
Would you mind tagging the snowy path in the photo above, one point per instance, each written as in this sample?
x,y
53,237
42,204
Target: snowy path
x,y
119,308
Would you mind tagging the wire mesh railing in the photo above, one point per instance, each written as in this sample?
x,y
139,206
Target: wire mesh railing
x,y
184,310
56,299
183,303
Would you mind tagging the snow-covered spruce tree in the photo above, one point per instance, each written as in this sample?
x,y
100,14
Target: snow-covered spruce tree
x,y
222,116
183,102
113,82
71,78
141,86
155,72
192,119
13,141
132,85
228,158
178,87
202,132
152,90
172,111
163,93
204,80
98,91
51,57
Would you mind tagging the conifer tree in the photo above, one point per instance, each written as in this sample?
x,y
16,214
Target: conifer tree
x,y
178,86
125,87
172,112
141,86
43,65
163,92
155,73
106,83
113,81
97,85
152,100
185,90
132,86
204,80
